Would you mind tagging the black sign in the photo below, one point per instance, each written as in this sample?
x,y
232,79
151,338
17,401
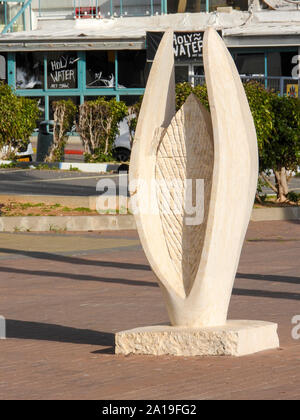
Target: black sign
x,y
62,71
187,45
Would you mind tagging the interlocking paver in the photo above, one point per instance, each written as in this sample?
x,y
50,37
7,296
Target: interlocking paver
x,y
63,304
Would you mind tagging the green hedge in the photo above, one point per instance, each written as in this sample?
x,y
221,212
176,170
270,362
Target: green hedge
x,y
18,119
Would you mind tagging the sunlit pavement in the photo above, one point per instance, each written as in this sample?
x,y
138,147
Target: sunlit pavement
x,y
65,295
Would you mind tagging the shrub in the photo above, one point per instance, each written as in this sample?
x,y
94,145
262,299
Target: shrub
x,y
132,117
183,90
64,114
98,127
261,105
293,196
277,123
281,153
18,118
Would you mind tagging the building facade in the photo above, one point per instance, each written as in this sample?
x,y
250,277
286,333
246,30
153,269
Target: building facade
x,y
82,49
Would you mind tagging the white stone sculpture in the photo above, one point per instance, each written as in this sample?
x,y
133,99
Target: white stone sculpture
x,y
195,258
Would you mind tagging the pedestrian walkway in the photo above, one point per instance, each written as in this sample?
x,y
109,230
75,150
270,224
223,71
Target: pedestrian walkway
x,y
65,295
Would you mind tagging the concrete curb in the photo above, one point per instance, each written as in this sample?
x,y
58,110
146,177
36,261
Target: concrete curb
x,y
115,222
83,167
66,223
277,213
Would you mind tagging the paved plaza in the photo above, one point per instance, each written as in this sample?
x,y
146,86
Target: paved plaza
x,y
65,295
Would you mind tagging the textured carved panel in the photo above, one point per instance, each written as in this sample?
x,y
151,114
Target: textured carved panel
x,y
184,152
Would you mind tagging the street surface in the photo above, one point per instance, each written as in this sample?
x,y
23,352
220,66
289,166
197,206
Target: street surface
x,y
52,182
68,183
64,296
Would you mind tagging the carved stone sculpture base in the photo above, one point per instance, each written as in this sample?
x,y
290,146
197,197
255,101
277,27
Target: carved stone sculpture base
x,y
236,338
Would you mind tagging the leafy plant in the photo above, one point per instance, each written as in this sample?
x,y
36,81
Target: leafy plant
x,y
45,166
293,196
132,117
18,117
282,151
64,114
183,90
8,165
73,169
98,127
277,123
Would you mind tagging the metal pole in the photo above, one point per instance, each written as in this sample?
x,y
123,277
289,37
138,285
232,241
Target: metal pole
x,y
151,8
21,11
266,70
5,13
207,6
281,86
45,60
24,20
30,12
116,71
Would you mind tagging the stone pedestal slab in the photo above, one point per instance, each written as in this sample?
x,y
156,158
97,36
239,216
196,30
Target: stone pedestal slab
x,y
235,338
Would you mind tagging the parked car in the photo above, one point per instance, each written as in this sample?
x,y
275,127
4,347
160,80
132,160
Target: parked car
x,y
122,145
25,154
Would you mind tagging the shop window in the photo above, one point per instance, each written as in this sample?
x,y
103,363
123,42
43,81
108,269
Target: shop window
x,y
133,69
196,6
198,77
3,73
2,16
287,64
181,74
136,7
238,4
62,70
274,64
100,69
130,99
198,70
251,64
30,70
189,6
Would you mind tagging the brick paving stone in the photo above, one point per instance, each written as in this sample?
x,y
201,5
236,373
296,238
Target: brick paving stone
x,y
64,295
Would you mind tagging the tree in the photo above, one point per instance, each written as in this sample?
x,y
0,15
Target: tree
x,y
281,151
98,127
132,117
64,114
277,123
18,118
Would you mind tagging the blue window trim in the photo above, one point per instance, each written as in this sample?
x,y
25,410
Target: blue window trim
x,y
81,91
